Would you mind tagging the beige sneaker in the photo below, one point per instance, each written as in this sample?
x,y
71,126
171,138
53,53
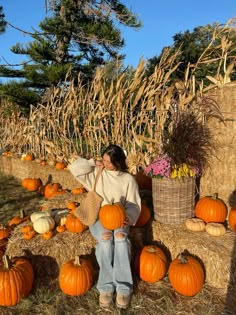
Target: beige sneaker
x,y
122,300
105,299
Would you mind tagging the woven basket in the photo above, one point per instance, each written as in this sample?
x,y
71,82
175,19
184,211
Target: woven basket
x,y
173,199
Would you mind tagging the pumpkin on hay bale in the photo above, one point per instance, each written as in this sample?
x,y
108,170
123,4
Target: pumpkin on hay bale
x,y
47,256
216,253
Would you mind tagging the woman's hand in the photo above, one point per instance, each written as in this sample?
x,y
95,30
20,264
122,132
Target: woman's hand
x,y
98,163
126,222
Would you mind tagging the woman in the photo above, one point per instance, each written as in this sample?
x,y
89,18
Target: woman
x,y
113,248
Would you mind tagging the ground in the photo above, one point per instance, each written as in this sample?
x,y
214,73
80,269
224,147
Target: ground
x,y
46,297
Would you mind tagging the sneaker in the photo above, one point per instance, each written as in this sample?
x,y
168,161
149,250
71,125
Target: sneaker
x,y
122,300
105,299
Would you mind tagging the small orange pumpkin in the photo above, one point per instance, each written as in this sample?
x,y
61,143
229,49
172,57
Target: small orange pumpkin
x,y
28,157
211,209
47,235
112,216
186,275
60,165
22,217
4,232
77,191
29,234
72,205
76,276
61,228
50,189
74,225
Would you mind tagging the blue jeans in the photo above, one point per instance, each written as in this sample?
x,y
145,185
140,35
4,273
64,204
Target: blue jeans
x,y
113,257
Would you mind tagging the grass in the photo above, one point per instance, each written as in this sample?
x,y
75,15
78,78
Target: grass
x,y
46,298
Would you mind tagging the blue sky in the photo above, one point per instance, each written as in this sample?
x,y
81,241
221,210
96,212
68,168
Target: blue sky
x,y
161,21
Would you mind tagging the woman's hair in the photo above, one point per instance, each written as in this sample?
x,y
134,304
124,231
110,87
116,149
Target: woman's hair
x,y
117,157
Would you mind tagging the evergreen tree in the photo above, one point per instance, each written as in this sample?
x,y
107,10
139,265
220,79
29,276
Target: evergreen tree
x,y
77,37
204,48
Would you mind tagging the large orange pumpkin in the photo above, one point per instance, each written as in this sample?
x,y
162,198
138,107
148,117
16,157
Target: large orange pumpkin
x,y
76,276
232,218
112,216
16,280
74,225
186,275
211,209
150,263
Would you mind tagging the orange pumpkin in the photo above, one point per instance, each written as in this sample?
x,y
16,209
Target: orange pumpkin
x,y
50,189
47,235
28,157
77,191
22,217
72,205
232,219
74,225
26,228
186,275
61,228
150,263
144,217
76,276
60,165
16,280
29,234
112,216
211,209
4,232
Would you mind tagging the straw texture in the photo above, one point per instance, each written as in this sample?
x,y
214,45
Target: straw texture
x,y
173,199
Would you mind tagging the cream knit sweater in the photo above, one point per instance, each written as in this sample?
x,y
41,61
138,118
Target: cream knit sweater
x,y
111,185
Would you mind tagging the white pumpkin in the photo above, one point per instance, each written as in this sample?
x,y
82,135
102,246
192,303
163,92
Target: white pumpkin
x,y
38,214
195,224
215,229
44,224
60,216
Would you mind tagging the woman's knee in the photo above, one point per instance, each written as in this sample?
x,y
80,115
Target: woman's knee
x,y
106,236
120,235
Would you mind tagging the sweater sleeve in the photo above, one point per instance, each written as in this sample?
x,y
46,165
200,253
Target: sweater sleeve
x,y
84,171
133,202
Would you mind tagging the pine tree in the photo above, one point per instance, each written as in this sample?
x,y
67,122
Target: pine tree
x,y
75,39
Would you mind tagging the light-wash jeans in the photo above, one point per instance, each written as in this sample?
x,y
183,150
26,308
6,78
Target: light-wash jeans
x,y
113,257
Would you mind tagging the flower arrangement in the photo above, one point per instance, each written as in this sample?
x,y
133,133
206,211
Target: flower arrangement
x,y
186,145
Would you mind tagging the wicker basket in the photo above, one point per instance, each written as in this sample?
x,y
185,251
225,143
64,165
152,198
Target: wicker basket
x,y
173,199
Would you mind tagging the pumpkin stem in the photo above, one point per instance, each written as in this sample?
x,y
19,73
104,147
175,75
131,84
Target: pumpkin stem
x,y
182,258
22,214
215,196
151,250
6,262
77,261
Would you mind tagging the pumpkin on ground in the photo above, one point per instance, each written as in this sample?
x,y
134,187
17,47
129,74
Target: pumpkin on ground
x,y
74,225
232,218
186,275
211,209
16,280
76,276
150,263
112,216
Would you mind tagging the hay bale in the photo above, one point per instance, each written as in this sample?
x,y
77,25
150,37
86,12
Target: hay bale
x,y
216,253
60,202
47,256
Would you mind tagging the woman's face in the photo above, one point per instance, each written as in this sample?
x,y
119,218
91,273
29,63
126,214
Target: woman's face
x,y
107,163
